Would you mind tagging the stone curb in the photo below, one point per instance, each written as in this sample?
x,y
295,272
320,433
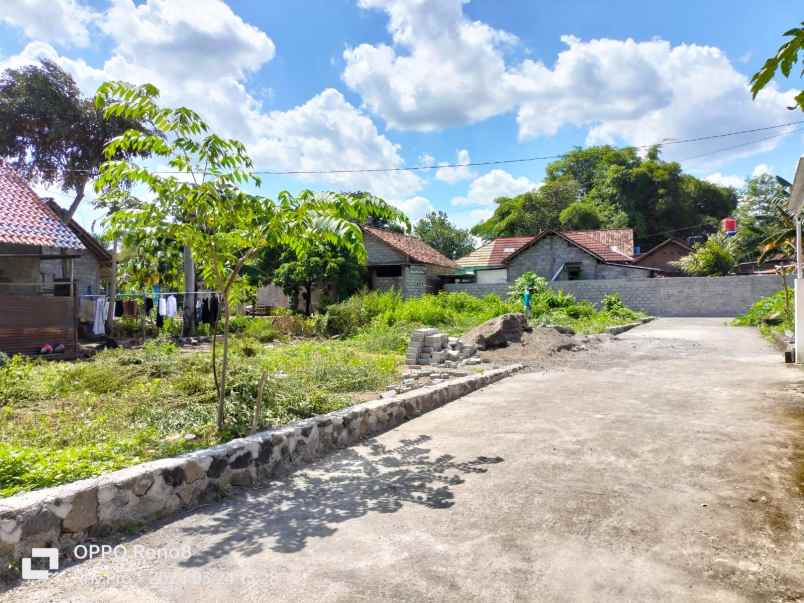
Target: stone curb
x,y
64,516
627,327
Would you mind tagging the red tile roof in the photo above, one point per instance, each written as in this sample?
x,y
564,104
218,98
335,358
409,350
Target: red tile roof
x,y
493,253
414,248
26,220
639,259
614,245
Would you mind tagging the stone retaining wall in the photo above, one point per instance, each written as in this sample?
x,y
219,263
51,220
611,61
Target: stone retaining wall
x,y
681,296
67,515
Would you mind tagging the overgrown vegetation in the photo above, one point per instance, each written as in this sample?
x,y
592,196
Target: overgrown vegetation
x,y
62,421
550,307
772,314
369,315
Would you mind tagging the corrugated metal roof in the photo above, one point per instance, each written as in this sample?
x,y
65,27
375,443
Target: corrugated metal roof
x,y
26,220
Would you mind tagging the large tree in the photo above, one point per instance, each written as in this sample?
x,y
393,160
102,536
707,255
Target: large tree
x,y
50,133
317,265
530,212
613,188
203,205
761,215
436,230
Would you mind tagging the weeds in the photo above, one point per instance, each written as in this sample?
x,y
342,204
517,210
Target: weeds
x,y
62,421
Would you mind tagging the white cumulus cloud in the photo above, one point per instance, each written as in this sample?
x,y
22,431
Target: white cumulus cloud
x,y
443,69
327,132
496,183
415,207
761,169
63,22
456,174
725,180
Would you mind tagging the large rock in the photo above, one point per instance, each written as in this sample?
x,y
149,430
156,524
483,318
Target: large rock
x,y
498,332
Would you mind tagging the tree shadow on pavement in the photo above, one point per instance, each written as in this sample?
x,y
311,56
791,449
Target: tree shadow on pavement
x,y
312,501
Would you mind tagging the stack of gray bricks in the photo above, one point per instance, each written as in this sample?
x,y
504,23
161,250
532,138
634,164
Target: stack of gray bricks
x,y
428,346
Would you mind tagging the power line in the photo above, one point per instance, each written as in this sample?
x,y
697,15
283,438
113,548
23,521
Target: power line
x,y
417,168
526,159
742,144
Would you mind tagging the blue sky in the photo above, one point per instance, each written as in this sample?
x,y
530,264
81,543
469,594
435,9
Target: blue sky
x,y
334,84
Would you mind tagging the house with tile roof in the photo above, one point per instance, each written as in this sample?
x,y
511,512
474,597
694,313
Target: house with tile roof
x,y
662,256
403,262
557,255
39,255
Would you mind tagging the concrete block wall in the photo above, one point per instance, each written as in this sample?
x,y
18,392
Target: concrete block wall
x,y
687,296
547,256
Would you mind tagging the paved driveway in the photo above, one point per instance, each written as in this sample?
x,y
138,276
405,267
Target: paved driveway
x,y
661,466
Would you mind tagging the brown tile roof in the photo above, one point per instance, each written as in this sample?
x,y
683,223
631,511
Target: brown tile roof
x,y
494,252
413,247
614,245
26,220
611,245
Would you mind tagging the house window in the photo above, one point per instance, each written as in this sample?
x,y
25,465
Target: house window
x,y
388,271
574,271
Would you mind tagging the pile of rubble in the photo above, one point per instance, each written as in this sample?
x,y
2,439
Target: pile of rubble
x,y
428,346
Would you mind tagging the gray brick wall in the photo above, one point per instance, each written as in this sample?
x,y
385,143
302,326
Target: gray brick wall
x,y
691,296
415,281
379,252
549,254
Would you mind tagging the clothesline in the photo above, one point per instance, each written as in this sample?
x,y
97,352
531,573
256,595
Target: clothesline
x,y
166,303
151,294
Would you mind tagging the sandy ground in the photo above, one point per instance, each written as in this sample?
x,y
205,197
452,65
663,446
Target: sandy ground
x,y
663,464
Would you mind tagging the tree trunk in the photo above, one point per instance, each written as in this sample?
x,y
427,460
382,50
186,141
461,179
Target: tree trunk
x,y
308,302
224,363
79,195
188,326
112,289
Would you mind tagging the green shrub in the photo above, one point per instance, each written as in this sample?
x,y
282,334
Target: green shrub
x,y
612,304
772,308
261,329
451,311
384,338
528,281
717,256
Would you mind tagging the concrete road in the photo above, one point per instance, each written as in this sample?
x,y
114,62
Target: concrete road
x,y
661,466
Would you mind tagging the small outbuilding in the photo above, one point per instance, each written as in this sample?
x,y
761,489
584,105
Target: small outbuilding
x,y
403,262
42,263
662,256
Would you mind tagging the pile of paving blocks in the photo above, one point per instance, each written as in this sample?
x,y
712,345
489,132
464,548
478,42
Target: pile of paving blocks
x,y
428,346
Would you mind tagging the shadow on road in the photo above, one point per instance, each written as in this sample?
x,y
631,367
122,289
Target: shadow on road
x,y
311,502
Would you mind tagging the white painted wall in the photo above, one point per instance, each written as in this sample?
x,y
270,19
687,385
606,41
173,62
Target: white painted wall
x,y
488,277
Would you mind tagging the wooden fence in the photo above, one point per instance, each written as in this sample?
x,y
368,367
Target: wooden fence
x,y
27,322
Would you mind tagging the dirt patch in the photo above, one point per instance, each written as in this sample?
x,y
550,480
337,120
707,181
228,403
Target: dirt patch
x,y
542,348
